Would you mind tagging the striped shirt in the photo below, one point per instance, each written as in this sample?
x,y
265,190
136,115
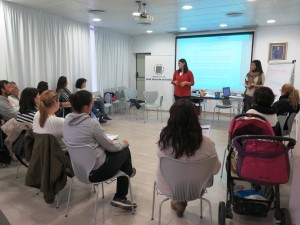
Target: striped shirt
x,y
26,117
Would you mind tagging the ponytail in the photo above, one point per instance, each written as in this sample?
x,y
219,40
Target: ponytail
x,y
294,99
47,100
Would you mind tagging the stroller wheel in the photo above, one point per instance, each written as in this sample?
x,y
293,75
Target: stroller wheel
x,y
222,213
285,217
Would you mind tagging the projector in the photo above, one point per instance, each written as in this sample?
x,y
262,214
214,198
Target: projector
x,y
144,18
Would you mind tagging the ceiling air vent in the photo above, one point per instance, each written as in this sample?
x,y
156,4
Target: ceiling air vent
x,y
96,11
234,14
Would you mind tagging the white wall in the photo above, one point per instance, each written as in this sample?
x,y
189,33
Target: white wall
x,y
266,35
3,74
165,45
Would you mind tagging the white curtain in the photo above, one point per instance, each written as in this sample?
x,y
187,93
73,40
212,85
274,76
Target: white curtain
x,y
41,46
113,52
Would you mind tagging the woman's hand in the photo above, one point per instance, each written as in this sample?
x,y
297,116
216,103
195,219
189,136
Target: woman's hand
x,y
125,142
175,82
184,83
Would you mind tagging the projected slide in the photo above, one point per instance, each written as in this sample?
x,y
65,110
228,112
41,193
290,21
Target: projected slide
x,y
217,61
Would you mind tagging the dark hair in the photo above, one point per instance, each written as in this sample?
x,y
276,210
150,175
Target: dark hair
x,y
42,86
183,130
258,66
80,99
27,103
79,82
263,96
2,84
61,83
185,68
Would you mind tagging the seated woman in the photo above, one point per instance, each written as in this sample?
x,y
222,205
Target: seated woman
x,y
80,129
29,103
98,108
288,101
42,86
182,139
263,98
45,121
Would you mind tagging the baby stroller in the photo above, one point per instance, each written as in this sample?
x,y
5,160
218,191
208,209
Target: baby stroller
x,y
247,123
263,165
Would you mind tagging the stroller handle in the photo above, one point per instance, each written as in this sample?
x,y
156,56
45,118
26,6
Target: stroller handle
x,y
291,144
250,115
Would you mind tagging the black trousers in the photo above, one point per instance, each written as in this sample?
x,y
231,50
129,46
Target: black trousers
x,y
248,100
177,97
114,162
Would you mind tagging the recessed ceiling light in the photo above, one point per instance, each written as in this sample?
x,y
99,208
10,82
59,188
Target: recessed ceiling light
x,y
187,7
251,0
136,14
149,31
223,25
271,21
183,28
96,19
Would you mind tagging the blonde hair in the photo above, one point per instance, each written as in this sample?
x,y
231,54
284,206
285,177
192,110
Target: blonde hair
x,y
47,100
292,93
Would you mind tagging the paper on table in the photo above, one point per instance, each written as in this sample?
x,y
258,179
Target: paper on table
x,y
205,130
112,136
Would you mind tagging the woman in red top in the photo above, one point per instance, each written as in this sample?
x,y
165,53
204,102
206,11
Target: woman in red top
x,y
183,79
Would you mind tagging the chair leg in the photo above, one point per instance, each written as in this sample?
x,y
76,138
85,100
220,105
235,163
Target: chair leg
x,y
17,175
102,189
130,192
214,114
67,210
201,209
96,205
57,200
209,205
223,162
219,114
153,200
159,214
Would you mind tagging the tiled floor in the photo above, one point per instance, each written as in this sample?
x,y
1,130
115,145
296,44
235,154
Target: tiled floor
x,y
22,206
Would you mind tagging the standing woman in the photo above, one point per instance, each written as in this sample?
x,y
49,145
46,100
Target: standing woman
x,y
254,79
288,101
183,79
63,95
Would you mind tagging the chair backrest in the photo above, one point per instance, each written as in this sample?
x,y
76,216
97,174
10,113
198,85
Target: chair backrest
x,y
290,122
161,101
132,94
150,96
282,119
226,102
107,97
187,179
83,159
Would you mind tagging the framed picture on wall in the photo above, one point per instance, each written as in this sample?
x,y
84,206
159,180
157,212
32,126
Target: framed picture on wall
x,y
277,51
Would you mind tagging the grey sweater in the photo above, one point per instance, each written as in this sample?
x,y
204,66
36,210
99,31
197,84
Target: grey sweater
x,y
80,129
6,111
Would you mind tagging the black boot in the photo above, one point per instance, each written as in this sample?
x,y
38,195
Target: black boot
x,y
105,116
101,120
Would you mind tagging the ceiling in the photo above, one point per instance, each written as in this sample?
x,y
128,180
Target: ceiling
x,y
206,15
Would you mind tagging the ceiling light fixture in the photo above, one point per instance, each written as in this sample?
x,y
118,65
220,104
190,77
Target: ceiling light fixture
x,y
149,31
183,28
187,7
96,19
223,25
271,21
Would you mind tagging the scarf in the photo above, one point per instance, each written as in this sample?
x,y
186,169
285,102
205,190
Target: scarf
x,y
251,77
263,110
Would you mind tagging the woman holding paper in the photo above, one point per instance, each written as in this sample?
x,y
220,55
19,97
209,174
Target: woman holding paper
x,y
254,79
80,129
183,79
